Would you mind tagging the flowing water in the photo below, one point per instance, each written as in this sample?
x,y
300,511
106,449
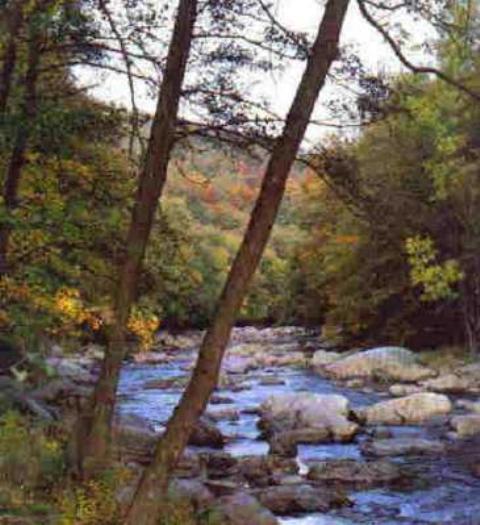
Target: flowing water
x,y
444,491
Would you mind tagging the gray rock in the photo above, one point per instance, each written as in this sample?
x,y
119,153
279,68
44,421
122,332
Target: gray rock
x,y
285,443
448,383
467,425
323,358
401,390
415,408
242,509
360,474
402,446
294,499
271,381
217,399
471,406
194,491
134,438
218,414
262,471
304,410
206,434
386,363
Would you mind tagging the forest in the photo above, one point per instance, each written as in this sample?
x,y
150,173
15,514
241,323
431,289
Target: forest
x,y
213,249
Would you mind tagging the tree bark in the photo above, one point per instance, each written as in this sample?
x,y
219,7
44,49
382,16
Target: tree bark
x,y
147,501
17,158
14,21
92,442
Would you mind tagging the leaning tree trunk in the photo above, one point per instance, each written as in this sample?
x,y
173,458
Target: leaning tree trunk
x,y
147,501
91,445
13,23
17,159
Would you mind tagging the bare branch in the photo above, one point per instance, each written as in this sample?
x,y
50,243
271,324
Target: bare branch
x,y
407,63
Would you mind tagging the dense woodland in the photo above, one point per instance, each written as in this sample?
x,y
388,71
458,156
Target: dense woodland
x,y
377,240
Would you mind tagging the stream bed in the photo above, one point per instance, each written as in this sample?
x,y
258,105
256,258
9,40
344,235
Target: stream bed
x,y
445,491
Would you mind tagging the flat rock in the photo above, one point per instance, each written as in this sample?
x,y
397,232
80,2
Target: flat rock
x,y
262,471
294,499
286,443
219,414
271,381
415,408
390,363
360,474
449,383
402,390
402,446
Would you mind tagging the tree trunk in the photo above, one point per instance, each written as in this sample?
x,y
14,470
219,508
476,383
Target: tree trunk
x,y
17,158
148,498
13,23
92,445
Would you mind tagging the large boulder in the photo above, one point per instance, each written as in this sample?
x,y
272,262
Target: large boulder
x,y
242,509
304,410
415,408
357,473
402,446
386,363
294,499
449,383
467,425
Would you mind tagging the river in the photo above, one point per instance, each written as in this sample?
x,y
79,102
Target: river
x,y
444,490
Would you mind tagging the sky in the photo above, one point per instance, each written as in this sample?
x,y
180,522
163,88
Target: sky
x,y
279,88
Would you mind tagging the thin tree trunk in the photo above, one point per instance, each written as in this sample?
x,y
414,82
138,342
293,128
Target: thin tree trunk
x,y
153,485
17,158
14,21
94,428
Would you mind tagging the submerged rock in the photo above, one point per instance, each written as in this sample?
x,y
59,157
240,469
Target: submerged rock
x,y
390,363
415,408
360,474
402,446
